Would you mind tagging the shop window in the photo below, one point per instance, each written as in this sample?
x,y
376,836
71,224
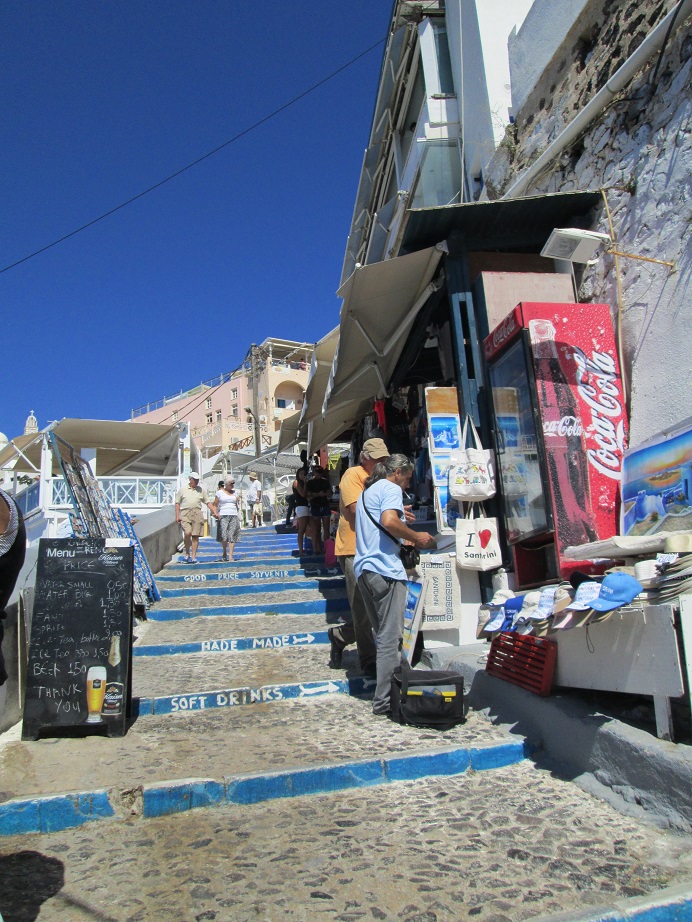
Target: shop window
x,y
439,175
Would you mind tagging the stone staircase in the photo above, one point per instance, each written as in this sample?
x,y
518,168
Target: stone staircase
x,y
232,693
237,711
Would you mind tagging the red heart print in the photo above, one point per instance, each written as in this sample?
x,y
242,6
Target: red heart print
x,y
484,537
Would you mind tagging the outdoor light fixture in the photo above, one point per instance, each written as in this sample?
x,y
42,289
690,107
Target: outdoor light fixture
x,y
581,246
574,245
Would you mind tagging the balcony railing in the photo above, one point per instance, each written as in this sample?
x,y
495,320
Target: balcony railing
x,y
119,491
28,499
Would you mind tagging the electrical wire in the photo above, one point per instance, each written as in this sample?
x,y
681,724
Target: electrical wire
x,y
211,153
194,163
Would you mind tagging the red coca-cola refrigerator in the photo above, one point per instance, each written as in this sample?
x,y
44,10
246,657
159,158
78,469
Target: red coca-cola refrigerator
x,y
560,430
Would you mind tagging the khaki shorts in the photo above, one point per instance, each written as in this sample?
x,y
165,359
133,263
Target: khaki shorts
x,y
192,521
257,509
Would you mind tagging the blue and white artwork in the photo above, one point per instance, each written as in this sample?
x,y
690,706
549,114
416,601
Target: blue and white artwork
x,y
441,464
657,485
445,434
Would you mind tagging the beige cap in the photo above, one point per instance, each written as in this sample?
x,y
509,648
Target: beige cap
x,y
376,449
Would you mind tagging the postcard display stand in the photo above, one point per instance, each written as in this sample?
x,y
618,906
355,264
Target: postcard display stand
x,y
79,670
452,596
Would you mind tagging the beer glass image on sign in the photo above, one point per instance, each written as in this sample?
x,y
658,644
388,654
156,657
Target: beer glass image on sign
x,y
95,693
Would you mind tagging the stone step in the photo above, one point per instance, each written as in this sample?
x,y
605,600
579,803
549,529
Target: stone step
x,y
233,644
200,629
211,562
262,738
192,673
169,610
516,843
245,571
232,589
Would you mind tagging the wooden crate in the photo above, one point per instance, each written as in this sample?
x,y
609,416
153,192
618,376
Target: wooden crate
x,y
523,660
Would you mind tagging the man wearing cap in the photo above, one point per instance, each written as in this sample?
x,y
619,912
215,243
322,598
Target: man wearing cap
x,y
254,498
359,629
189,503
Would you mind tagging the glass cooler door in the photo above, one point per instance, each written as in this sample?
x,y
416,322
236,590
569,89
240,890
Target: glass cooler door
x,y
519,449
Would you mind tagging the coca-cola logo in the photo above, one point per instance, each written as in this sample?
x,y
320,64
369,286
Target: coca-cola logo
x,y
504,331
568,425
598,385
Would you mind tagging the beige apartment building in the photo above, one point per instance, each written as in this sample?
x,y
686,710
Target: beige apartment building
x,y
269,385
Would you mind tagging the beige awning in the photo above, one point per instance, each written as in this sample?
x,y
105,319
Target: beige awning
x,y
288,434
381,302
322,361
325,429
115,442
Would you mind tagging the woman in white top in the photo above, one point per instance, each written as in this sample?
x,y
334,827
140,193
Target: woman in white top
x,y
228,523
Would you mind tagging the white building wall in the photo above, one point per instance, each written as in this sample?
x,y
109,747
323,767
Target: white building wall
x,y
639,150
534,46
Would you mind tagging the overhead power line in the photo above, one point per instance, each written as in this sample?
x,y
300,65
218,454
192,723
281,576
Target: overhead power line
x,y
199,160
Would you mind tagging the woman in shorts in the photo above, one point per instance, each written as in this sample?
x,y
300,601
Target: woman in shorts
x,y
319,491
228,523
302,513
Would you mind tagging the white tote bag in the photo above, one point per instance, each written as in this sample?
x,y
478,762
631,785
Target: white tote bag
x,y
477,544
472,470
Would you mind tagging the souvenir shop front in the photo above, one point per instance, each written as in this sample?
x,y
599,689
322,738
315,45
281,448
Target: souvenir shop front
x,y
470,354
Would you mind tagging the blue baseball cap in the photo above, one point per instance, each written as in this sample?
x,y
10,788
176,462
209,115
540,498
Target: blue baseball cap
x,y
512,609
617,589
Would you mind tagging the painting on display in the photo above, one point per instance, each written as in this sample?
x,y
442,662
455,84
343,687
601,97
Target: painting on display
x,y
657,484
415,592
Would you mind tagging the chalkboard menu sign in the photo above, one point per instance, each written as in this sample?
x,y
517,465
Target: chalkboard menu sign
x,y
80,657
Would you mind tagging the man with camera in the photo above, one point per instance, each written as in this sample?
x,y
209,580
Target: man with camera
x,y
378,566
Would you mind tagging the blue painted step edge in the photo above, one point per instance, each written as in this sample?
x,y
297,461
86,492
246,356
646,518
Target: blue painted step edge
x,y
314,607
62,811
234,644
232,590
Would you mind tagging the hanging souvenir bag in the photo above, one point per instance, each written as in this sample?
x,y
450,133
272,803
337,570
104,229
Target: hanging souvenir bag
x,y
477,545
472,470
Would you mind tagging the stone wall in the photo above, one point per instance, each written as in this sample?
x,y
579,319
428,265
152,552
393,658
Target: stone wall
x,y
638,151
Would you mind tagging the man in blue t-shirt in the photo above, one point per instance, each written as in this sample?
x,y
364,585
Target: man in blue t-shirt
x,y
378,567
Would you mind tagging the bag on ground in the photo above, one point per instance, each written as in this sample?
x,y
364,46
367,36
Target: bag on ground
x,y
427,698
477,545
472,470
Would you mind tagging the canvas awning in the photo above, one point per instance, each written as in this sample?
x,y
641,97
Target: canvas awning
x,y
322,361
381,302
116,444
325,429
289,432
271,461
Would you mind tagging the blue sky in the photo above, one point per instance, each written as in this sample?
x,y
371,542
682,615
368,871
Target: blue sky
x,y
102,100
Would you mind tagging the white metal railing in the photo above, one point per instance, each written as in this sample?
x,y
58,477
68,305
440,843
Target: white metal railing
x,y
29,499
123,491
